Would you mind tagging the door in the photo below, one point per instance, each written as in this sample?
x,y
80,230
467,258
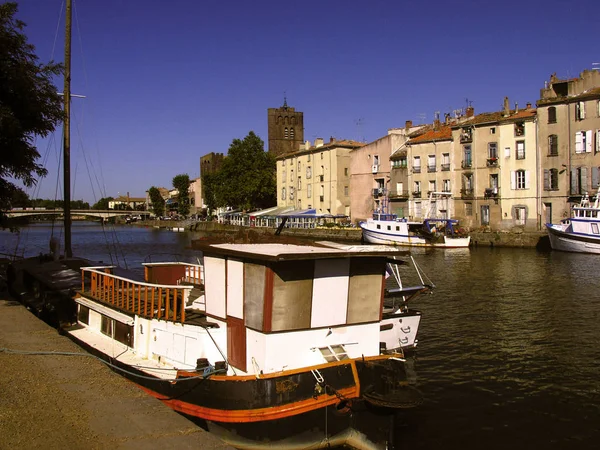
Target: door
x,y
548,212
485,215
236,342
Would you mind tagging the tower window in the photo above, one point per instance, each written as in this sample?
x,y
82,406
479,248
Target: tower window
x,y
285,133
291,133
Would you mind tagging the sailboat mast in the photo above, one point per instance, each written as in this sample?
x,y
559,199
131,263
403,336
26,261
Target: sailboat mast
x,y
67,134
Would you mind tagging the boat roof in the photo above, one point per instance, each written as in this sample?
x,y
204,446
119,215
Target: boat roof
x,y
292,252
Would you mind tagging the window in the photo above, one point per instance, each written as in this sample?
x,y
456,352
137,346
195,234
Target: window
x,y
520,179
467,184
552,114
345,171
346,191
493,150
321,155
308,172
417,187
550,179
594,228
583,141
431,163
579,182
418,209
468,209
299,167
519,128
597,141
553,145
579,110
83,314
308,156
299,183
375,160
283,163
417,164
467,156
520,215
520,145
285,133
291,193
446,186
445,161
308,190
284,176
282,193
291,133
492,130
107,326
485,215
431,186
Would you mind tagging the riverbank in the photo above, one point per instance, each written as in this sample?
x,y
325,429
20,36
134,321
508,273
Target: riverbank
x,y
509,239
55,401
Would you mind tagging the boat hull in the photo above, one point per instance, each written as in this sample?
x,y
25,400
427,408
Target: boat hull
x,y
399,330
566,241
380,237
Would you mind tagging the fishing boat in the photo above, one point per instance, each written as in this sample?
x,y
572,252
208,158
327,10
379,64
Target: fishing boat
x,y
436,230
580,232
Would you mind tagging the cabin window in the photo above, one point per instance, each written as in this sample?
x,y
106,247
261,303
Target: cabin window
x,y
389,228
334,353
595,228
123,333
254,295
292,296
364,290
397,228
107,326
379,227
83,314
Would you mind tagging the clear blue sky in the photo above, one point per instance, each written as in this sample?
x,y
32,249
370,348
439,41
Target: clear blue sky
x,y
169,81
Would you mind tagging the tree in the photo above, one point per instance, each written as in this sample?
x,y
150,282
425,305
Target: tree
x,y
247,177
210,186
102,204
156,201
29,106
181,182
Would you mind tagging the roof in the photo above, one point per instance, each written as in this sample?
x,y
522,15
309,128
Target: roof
x,y
123,198
289,252
492,117
590,93
444,133
344,143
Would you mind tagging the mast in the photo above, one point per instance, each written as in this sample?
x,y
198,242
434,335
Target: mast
x,y
67,134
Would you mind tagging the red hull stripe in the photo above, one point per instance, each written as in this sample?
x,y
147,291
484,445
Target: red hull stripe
x,y
255,415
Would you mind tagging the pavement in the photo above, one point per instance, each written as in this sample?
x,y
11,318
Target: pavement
x,y
76,402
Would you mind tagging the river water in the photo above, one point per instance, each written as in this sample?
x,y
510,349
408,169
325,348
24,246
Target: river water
x,y
509,348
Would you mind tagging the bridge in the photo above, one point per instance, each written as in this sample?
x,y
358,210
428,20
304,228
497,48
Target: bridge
x,y
100,214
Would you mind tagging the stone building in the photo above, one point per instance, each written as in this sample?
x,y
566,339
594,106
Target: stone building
x,y
210,163
316,177
286,129
569,142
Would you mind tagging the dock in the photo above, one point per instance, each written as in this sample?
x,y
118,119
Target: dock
x,y
54,401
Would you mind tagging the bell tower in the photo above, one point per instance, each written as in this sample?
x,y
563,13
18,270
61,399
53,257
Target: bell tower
x,y
286,129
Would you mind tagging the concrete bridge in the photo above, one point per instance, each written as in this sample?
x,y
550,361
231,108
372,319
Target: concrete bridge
x,y
101,214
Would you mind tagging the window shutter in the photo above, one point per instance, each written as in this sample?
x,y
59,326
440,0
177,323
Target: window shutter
x,y
595,177
574,181
546,180
582,110
527,179
513,180
588,141
584,184
578,142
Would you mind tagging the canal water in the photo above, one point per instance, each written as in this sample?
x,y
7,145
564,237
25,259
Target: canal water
x,y
509,344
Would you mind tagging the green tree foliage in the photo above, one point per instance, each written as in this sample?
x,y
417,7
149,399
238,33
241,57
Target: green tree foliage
x,y
29,106
247,178
156,201
102,204
181,182
209,189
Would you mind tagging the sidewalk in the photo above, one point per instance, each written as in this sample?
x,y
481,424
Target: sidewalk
x,y
58,402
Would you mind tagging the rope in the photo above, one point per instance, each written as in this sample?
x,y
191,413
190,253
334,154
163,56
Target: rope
x,y
114,367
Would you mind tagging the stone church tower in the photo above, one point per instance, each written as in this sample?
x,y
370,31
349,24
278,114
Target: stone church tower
x,y
286,129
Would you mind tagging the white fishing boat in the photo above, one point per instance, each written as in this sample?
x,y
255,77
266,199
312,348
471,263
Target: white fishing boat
x,y
580,232
434,231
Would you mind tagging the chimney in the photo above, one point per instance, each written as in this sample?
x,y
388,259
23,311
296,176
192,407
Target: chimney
x,y
408,125
307,145
528,105
506,107
447,118
319,142
470,111
331,139
516,107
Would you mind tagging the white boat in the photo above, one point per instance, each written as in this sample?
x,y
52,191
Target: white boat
x,y
433,231
581,232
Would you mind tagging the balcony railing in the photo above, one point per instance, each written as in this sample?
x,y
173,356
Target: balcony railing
x,y
445,167
467,164
431,168
416,169
377,192
398,194
492,162
416,194
466,193
491,192
466,137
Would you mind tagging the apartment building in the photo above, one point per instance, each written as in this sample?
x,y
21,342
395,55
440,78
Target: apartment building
x,y
569,142
370,175
316,177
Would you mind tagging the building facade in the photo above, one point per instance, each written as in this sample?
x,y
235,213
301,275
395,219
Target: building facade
x,y
211,163
316,177
569,142
285,129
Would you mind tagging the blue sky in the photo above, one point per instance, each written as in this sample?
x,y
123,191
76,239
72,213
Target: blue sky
x,y
169,81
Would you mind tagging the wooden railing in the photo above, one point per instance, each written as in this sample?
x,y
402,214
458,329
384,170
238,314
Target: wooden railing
x,y
152,301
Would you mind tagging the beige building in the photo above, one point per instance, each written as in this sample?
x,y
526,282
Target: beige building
x,y
569,143
195,194
127,202
316,177
370,179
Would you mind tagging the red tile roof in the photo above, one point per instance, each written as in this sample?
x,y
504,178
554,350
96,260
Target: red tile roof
x,y
443,133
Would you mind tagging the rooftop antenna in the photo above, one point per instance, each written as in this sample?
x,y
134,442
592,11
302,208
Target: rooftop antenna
x,y
422,117
436,115
469,102
284,100
359,123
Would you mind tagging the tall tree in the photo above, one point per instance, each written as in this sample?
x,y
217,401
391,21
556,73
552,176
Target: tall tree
x,y
156,201
249,173
29,106
181,182
210,188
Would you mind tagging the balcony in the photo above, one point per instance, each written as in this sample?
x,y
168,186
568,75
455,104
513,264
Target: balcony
x,y
375,168
445,167
467,164
377,192
491,192
492,162
416,169
431,168
398,194
416,194
466,193
466,136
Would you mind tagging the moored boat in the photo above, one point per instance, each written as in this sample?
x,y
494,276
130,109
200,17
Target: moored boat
x,y
580,232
